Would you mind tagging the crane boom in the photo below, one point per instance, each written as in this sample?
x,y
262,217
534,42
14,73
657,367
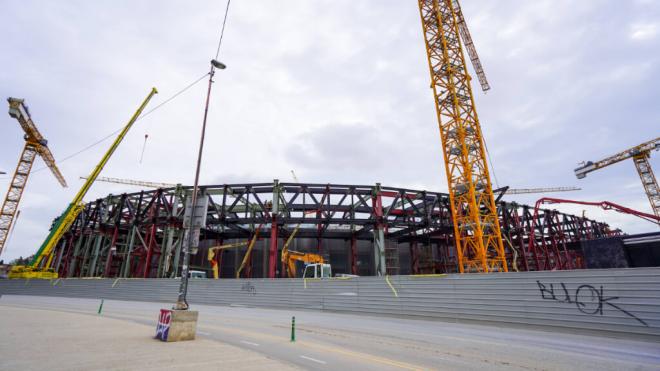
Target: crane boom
x,y
35,144
640,155
476,224
590,166
74,208
469,46
520,191
605,205
140,183
19,111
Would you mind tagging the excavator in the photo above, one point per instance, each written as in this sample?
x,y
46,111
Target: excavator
x,y
314,265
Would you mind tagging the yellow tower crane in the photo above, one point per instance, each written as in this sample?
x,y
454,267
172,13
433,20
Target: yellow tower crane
x,y
476,225
35,144
640,155
40,267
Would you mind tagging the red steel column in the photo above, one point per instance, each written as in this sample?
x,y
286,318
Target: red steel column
x,y
272,252
354,255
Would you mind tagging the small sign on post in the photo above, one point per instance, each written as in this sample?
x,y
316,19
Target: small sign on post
x,y
198,217
163,327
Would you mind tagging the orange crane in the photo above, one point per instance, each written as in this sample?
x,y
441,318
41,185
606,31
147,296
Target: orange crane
x,y
477,232
35,144
640,155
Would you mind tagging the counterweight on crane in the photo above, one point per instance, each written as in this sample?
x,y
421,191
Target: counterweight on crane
x,y
35,144
476,225
640,155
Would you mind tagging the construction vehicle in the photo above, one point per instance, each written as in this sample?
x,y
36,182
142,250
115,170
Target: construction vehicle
x,y
211,255
40,267
605,205
477,231
313,265
640,155
35,144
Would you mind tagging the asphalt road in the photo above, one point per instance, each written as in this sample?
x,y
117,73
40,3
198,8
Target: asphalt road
x,y
330,341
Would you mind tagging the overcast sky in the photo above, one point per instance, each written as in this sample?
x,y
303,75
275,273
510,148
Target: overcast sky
x,y
337,90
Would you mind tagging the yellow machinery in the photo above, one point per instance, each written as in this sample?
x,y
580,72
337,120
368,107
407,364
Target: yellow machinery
x,y
315,266
215,249
640,155
35,144
40,267
477,232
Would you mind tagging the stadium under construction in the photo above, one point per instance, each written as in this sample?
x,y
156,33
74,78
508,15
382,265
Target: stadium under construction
x,y
359,229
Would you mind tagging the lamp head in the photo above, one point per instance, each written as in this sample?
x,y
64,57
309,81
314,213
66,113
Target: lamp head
x,y
218,64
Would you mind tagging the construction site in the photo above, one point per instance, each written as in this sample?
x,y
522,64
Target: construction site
x,y
469,255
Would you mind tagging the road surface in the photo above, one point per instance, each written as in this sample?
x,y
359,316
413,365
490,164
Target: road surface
x,y
331,341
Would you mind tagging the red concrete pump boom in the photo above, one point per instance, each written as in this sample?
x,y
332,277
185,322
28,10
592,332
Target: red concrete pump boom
x,y
605,205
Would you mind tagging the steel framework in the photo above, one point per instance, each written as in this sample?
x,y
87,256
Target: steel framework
x,y
140,234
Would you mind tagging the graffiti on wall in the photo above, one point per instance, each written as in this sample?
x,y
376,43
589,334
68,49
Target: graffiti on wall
x,y
249,288
587,299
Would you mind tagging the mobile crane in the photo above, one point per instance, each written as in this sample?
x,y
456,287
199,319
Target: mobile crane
x,y
40,267
216,249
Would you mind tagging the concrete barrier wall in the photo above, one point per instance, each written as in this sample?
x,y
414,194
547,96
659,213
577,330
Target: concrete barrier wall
x,y
624,301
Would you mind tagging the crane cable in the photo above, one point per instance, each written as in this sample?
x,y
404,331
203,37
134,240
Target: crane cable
x,y
217,53
120,129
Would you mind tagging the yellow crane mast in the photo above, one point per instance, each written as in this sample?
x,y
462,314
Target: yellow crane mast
x,y
640,155
476,225
35,144
40,265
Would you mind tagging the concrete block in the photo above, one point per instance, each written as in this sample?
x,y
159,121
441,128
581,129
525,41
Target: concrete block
x,y
176,325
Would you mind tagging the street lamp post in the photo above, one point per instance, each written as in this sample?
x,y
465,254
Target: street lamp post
x,y
181,303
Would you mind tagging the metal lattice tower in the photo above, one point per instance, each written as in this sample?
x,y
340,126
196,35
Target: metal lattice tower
x,y
640,155
35,144
648,181
476,226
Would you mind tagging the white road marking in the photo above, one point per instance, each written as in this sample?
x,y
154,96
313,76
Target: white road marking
x,y
204,333
314,360
249,343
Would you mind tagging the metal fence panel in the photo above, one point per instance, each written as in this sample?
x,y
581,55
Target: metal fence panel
x,y
625,301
